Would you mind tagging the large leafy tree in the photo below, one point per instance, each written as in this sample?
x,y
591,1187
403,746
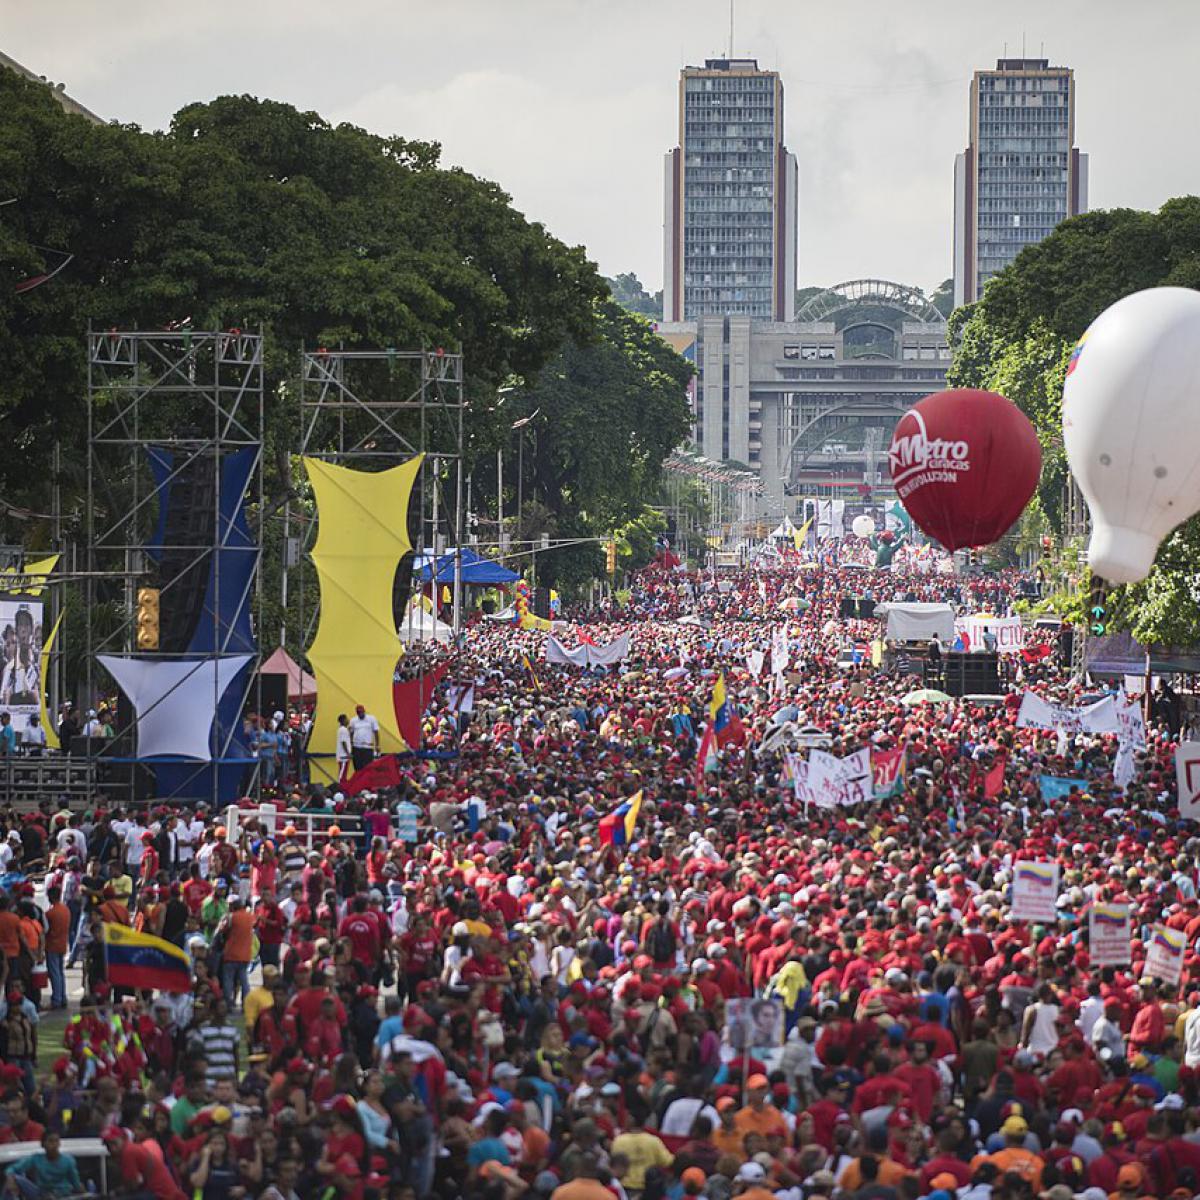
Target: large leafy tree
x,y
1017,340
609,411
253,213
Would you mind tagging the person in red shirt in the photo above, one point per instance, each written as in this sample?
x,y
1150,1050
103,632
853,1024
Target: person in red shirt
x,y
363,932
1149,1025
20,1127
922,1079
828,1111
270,924
486,967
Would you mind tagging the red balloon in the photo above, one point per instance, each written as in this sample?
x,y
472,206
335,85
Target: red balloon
x,y
965,464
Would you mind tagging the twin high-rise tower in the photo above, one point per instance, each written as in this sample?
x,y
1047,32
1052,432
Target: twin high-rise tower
x,y
1020,174
732,187
730,212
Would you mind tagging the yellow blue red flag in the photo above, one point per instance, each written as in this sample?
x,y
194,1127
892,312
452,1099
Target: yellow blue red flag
x,y
140,960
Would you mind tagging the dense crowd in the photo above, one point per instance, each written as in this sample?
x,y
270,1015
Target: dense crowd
x,y
459,988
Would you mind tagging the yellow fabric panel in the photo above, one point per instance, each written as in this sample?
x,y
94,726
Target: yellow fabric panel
x,y
32,578
47,724
362,533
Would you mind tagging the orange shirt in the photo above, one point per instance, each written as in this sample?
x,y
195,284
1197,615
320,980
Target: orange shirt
x,y
31,934
729,1141
1014,1158
239,941
890,1175
766,1121
58,933
10,934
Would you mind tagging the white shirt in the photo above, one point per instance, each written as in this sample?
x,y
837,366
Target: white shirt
x,y
72,842
363,730
134,848
34,735
1090,1011
343,743
681,1115
189,833
1191,1039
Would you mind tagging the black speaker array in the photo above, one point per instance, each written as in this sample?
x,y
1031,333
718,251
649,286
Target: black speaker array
x,y
971,674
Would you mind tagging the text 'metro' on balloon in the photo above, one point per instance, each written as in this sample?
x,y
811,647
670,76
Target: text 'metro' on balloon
x,y
1131,426
965,463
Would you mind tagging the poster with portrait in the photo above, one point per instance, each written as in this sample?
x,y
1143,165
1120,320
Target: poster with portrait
x,y
20,658
751,1022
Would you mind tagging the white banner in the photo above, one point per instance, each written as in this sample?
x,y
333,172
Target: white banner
x,y
1164,957
586,656
836,781
1035,890
755,660
1036,713
975,630
1187,779
1109,934
1131,722
779,650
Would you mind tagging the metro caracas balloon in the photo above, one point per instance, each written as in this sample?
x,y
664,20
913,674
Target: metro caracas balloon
x,y
1131,426
965,463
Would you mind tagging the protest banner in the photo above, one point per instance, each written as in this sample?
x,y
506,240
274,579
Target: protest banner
x,y
1035,890
1187,779
1164,954
887,769
1110,931
752,1023
1055,787
835,782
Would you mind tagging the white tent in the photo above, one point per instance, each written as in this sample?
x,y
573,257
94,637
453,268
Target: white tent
x,y
917,622
421,626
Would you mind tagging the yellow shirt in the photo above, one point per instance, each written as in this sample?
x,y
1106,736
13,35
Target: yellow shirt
x,y
644,1151
258,1000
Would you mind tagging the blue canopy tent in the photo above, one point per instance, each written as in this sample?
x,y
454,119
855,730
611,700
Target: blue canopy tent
x,y
477,571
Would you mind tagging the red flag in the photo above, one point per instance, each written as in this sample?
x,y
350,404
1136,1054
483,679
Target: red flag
x,y
993,781
708,750
381,773
410,700
585,639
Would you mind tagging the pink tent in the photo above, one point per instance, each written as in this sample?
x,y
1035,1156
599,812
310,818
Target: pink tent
x,y
301,685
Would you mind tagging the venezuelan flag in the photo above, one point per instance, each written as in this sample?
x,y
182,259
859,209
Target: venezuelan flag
x,y
140,960
1107,918
722,718
1036,873
537,683
798,535
617,828
1163,941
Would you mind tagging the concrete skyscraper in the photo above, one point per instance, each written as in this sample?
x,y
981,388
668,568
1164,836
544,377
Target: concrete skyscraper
x,y
730,212
1021,173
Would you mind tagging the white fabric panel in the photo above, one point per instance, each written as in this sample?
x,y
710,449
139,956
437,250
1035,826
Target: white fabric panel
x,y
559,655
175,700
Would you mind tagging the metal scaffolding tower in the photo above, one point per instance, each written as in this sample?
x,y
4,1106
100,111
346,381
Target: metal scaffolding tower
x,y
167,412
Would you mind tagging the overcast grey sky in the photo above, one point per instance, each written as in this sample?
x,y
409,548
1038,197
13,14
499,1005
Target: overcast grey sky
x,y
570,104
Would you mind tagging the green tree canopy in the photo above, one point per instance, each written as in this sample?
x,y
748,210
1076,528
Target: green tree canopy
x,y
253,213
1018,337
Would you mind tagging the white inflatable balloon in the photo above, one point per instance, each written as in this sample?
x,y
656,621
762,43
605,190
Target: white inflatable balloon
x,y
1131,426
863,526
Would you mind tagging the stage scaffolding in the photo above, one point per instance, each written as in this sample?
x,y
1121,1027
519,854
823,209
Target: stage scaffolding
x,y
169,412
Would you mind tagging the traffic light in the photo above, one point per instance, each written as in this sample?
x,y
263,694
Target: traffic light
x,y
1098,615
610,556
147,618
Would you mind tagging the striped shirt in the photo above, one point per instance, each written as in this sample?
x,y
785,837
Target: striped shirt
x,y
220,1048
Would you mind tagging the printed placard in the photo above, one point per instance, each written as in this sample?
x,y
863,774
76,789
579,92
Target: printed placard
x,y
1109,934
1164,957
1035,889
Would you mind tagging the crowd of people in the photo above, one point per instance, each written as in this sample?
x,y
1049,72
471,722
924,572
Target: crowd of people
x,y
460,986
